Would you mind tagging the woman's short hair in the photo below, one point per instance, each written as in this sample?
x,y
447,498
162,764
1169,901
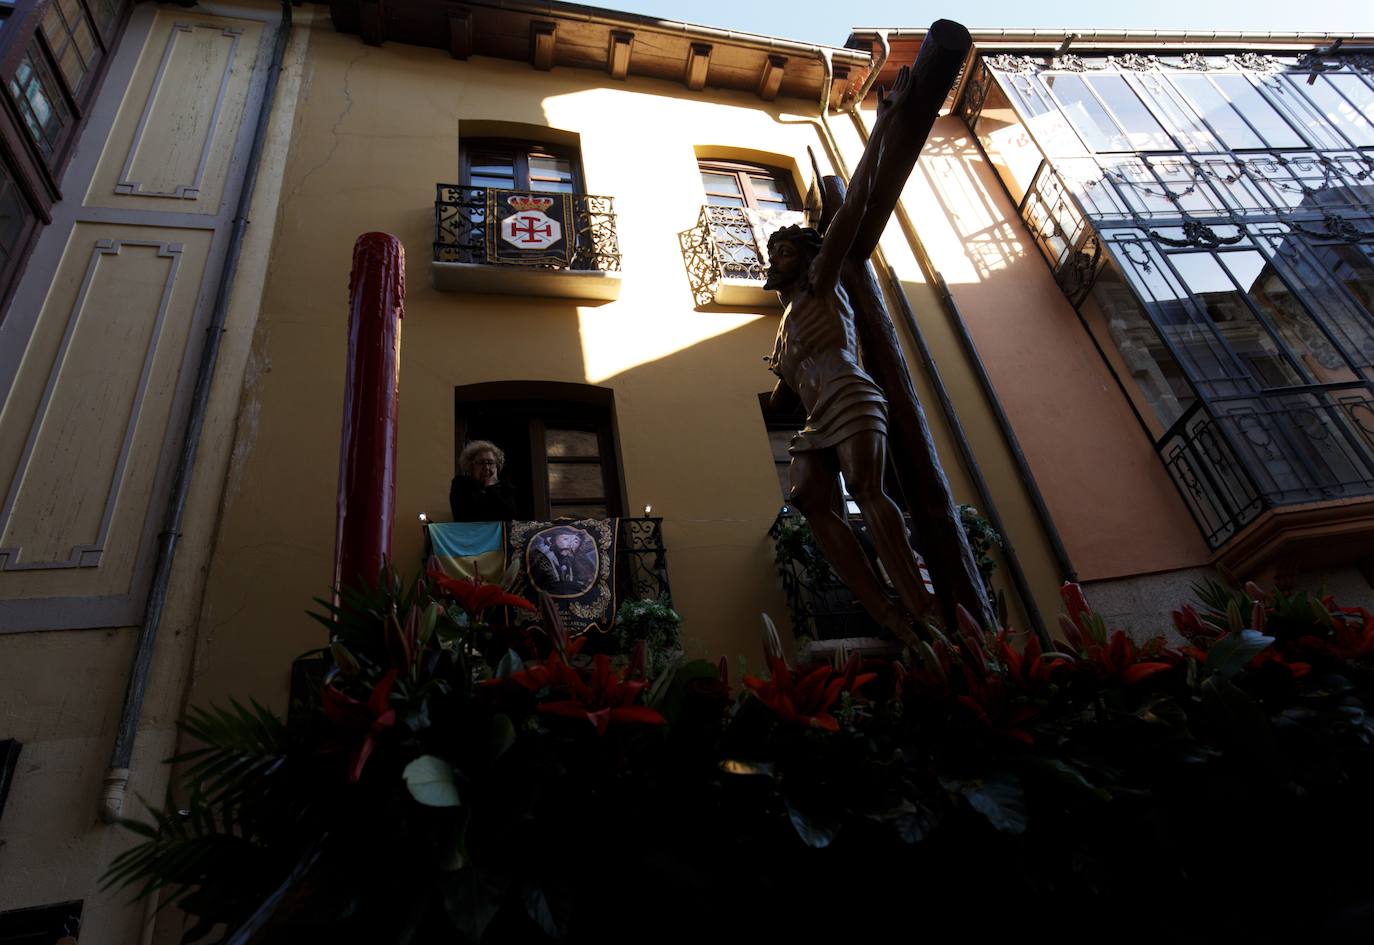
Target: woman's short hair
x,y
469,455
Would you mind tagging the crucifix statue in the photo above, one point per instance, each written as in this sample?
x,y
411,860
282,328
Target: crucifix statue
x,y
816,360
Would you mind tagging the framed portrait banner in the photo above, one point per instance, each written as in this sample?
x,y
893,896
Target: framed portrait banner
x,y
574,563
524,228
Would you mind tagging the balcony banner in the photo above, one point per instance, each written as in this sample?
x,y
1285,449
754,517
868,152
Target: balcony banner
x,y
525,228
574,562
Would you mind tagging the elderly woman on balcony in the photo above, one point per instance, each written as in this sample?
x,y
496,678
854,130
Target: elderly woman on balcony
x,y
477,493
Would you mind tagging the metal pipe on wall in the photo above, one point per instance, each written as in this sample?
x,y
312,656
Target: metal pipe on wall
x,y
116,781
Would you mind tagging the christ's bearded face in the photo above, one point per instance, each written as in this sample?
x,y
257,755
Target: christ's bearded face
x,y
565,544
785,264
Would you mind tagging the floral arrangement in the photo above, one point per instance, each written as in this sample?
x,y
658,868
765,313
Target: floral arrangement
x,y
447,778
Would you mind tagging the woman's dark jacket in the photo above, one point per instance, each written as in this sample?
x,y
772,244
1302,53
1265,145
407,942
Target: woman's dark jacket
x,y
470,501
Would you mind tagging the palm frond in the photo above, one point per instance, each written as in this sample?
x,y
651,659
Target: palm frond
x,y
241,746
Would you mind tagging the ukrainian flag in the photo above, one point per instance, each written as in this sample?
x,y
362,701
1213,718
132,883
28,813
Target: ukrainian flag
x,y
472,550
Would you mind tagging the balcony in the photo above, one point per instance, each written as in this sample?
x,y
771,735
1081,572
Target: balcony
x,y
470,255
826,615
726,255
1273,454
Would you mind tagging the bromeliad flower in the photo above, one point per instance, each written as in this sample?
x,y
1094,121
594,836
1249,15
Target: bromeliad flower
x,y
602,698
805,696
474,596
359,724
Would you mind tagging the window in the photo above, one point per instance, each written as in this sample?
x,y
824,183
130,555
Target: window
x,y
42,925
732,184
519,165
68,31
9,759
1238,112
736,195
40,102
16,222
1108,113
559,442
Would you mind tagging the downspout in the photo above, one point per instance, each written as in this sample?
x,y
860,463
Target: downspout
x,y
117,775
966,454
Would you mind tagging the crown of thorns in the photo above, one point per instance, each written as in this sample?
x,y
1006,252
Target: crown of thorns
x,y
806,239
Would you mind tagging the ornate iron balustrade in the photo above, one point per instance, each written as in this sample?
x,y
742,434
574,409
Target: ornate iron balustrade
x,y
1235,457
460,229
729,243
643,560
821,607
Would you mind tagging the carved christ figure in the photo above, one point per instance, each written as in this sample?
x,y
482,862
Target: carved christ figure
x,y
816,360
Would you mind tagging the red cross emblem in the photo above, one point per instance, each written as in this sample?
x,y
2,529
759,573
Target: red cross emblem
x,y
531,229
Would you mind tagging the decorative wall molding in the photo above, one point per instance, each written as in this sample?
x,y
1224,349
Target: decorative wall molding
x,y
88,554
1135,62
1257,62
191,190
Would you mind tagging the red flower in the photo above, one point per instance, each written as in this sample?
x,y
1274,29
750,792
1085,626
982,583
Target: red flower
x,y
360,722
1028,667
602,698
1191,627
805,697
1271,656
993,705
474,596
1119,660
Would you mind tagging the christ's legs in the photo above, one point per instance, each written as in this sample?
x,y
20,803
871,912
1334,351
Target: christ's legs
x,y
816,491
862,458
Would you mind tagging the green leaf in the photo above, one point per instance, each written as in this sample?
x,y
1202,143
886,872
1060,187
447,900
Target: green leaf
x,y
502,735
429,621
538,908
1241,723
1065,775
1233,652
510,665
813,832
430,780
670,699
472,899
999,799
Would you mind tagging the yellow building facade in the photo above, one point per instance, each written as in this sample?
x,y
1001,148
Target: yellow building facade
x,y
655,344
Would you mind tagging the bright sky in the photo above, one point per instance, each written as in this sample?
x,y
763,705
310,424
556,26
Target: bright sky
x,y
824,21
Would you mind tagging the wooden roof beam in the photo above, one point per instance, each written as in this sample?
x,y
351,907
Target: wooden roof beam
x,y
698,62
840,88
770,80
542,44
459,30
618,55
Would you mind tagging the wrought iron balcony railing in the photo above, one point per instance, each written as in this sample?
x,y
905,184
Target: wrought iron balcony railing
x,y
821,607
1233,458
643,560
727,247
461,231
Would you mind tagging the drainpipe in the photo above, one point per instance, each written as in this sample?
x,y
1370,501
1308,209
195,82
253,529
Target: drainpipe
x,y
1042,513
117,775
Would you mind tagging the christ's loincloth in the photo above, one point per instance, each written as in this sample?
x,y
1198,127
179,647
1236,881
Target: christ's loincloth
x,y
840,399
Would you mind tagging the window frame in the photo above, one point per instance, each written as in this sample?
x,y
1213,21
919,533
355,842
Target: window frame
x,y
37,175
742,171
538,406
521,150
